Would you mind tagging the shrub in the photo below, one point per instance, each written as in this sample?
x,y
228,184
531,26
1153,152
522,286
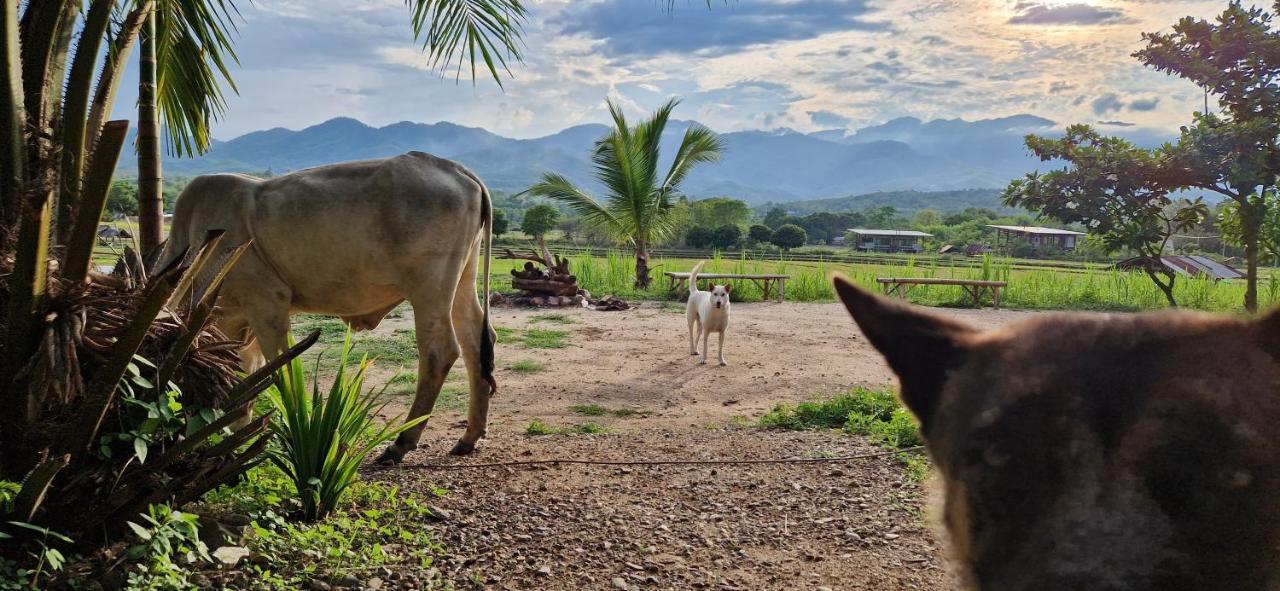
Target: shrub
x,y
789,236
759,233
874,405
726,237
700,237
320,441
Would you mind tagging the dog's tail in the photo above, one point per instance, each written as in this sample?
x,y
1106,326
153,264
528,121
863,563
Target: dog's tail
x,y
693,277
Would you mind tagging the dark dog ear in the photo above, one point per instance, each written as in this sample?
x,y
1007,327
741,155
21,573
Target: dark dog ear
x,y
1268,327
728,288
920,347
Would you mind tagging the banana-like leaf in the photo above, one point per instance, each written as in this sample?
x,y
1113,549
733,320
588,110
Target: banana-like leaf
x,y
13,160
104,97
46,30
74,111
97,186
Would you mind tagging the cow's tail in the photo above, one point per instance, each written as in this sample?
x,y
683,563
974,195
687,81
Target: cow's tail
x,y
486,332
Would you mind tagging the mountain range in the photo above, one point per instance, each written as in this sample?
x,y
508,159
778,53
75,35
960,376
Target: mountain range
x,y
758,166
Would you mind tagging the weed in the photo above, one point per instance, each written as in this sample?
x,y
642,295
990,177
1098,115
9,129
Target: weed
x,y
167,538
505,332
526,367
537,427
595,410
536,338
553,318
865,404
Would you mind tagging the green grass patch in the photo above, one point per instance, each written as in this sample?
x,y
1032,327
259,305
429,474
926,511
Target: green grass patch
x,y
553,318
537,427
526,366
505,333
537,338
595,410
332,330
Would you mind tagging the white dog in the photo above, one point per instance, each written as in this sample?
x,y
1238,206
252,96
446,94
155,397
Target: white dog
x,y
709,311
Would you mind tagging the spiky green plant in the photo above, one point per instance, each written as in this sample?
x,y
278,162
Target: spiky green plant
x,y
320,441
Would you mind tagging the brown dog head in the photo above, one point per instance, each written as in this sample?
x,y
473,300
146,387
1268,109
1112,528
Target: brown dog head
x,y
1089,451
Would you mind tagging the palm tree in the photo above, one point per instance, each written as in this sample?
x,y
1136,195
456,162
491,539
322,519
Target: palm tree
x,y
638,205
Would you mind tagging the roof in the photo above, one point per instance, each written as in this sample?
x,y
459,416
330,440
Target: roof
x,y
912,233
1036,230
1194,265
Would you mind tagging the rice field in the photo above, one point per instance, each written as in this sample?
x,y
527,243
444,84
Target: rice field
x,y
1093,288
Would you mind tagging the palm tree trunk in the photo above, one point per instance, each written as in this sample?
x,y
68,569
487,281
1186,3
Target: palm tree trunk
x,y
642,266
150,181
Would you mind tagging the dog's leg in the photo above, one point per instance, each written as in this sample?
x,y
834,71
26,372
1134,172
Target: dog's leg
x,y
706,334
722,362
694,327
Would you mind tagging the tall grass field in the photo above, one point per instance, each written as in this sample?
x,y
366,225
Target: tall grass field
x,y
1095,288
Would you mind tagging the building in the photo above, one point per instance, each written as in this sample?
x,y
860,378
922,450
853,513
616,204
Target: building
x,y
888,240
1037,236
1193,266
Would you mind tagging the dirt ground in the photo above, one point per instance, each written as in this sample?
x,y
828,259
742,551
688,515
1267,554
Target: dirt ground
x,y
850,525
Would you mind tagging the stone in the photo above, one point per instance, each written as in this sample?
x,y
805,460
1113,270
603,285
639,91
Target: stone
x,y
230,555
619,583
440,513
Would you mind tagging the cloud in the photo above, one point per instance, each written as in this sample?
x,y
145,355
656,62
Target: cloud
x,y
1029,13
1060,86
828,119
1116,123
1107,103
643,29
1149,104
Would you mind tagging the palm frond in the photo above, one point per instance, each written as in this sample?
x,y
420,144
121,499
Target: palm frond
x,y
699,145
458,31
193,52
556,186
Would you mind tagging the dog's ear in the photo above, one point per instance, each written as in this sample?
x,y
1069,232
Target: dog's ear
x,y
1268,327
728,288
920,347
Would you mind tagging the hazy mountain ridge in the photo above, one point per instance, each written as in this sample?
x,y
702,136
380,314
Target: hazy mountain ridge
x,y
904,154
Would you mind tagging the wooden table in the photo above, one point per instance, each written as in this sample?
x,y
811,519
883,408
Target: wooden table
x,y
901,285
677,281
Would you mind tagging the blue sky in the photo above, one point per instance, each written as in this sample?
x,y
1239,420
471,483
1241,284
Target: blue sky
x,y
745,64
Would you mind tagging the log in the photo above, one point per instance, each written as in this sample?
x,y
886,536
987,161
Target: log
x,y
543,286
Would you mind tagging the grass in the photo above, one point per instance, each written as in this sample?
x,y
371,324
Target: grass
x,y
1065,286
553,318
595,410
526,366
537,427
537,338
871,413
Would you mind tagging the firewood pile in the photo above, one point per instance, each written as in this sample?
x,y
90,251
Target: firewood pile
x,y
545,281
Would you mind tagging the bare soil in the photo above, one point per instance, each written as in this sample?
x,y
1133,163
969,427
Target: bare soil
x,y
851,525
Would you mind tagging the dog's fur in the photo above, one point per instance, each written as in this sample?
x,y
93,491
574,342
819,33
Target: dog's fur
x,y
707,312
1096,452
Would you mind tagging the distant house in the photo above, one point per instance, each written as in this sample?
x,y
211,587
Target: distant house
x,y
1193,266
1037,236
888,240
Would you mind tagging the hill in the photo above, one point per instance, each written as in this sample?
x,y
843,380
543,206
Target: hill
x,y
904,201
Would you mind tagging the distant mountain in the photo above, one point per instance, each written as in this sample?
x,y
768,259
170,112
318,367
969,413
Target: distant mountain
x,y
904,154
904,201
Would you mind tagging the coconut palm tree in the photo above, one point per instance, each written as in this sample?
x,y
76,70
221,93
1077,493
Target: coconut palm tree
x,y
638,205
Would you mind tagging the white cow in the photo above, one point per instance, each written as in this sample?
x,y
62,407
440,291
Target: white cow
x,y
354,240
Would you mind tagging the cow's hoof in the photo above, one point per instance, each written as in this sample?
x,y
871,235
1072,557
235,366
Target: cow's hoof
x,y
389,457
703,362
462,448
694,353
722,364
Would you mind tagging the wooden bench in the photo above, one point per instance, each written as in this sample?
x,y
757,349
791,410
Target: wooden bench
x,y
900,286
678,281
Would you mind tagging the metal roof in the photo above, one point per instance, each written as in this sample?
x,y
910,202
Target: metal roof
x,y
862,232
1037,230
1193,265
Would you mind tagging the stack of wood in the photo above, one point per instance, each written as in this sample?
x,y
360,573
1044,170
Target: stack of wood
x,y
550,284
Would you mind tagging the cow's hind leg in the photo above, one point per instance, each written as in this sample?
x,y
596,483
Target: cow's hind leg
x,y
468,323
437,350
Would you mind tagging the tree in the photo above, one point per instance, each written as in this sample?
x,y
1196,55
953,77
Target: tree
x,y
1228,218
1237,60
925,218
500,222
123,198
570,227
726,237
1116,189
719,211
759,234
775,218
700,237
539,220
639,199
789,236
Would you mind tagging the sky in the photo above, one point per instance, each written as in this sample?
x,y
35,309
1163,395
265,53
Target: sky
x,y
808,65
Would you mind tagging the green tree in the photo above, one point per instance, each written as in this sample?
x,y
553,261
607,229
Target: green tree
x,y
639,198
1236,59
925,218
501,225
700,237
726,236
775,218
1228,218
719,211
789,236
759,234
539,220
123,198
1116,189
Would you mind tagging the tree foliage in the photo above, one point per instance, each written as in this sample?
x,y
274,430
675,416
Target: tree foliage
x,y
539,220
759,233
789,236
501,225
700,237
727,236
719,211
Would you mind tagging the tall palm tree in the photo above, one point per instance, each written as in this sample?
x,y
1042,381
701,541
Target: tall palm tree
x,y
639,201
